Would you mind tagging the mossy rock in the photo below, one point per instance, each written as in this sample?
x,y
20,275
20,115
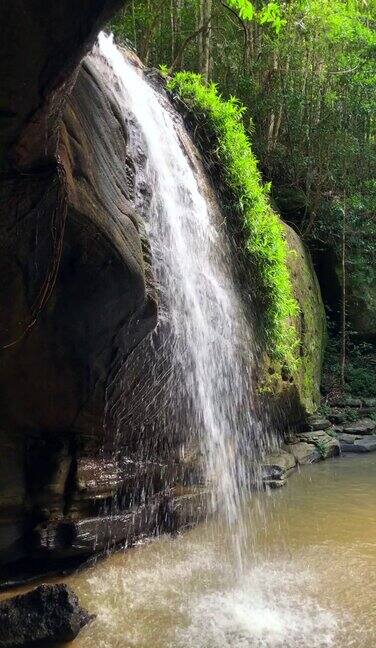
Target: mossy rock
x,y
302,383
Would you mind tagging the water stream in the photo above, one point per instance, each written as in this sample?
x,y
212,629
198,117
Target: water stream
x,y
309,580
212,341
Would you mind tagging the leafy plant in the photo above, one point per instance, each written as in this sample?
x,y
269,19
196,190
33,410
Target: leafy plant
x,y
322,447
265,241
164,69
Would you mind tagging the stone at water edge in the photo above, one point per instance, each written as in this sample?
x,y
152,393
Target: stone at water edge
x,y
46,615
345,437
360,444
326,444
304,453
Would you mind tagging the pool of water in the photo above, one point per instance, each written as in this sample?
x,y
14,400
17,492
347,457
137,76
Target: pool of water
x,y
309,579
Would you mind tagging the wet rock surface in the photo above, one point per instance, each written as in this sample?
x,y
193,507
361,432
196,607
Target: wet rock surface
x,y
77,296
353,443
42,617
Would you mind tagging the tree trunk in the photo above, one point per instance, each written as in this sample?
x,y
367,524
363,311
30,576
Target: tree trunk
x,y
343,264
205,37
175,27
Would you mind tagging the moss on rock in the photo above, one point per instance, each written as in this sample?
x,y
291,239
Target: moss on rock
x,y
310,327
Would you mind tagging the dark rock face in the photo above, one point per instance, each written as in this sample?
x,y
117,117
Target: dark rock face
x,y
76,291
47,614
41,47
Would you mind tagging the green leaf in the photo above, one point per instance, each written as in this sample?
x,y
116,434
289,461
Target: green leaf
x,y
244,8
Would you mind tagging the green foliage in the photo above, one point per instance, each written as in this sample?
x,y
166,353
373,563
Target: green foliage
x,y
360,368
361,380
245,8
351,413
322,447
164,70
272,14
265,241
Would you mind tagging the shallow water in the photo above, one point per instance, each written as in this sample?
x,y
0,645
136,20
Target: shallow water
x,y
310,581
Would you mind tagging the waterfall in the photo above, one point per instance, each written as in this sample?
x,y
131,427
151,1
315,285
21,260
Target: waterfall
x,y
213,345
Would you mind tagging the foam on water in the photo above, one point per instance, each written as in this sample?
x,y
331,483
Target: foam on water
x,y
188,598
265,609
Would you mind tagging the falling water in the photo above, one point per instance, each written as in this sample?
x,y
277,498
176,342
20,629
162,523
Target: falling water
x,y
191,260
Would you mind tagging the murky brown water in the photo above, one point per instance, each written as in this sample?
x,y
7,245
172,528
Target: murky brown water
x,y
310,581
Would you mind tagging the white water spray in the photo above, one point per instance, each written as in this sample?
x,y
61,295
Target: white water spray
x,y
191,260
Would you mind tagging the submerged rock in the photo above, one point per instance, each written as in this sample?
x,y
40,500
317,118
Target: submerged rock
x,y
47,614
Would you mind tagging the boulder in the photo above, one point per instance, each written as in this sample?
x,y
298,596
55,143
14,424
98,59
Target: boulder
x,y
362,426
298,392
47,614
366,411
304,453
318,423
327,445
345,437
362,444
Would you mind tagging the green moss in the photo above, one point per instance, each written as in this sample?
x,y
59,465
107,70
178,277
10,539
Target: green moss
x,y
265,240
311,323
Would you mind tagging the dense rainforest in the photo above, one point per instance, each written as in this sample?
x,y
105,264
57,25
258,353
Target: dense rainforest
x,y
302,74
